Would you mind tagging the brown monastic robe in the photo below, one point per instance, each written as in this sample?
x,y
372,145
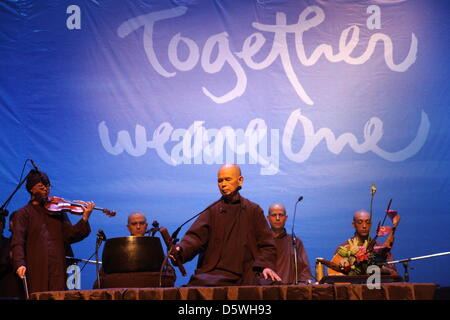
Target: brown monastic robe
x,y
40,242
286,262
234,243
10,283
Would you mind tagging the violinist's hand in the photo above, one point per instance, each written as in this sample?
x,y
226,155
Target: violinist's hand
x,y
267,272
88,210
21,271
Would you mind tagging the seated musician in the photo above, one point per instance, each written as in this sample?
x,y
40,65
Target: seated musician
x,y
362,222
137,224
285,258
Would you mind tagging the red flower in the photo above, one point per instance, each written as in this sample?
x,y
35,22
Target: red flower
x,y
362,255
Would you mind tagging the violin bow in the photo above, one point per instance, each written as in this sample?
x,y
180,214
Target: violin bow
x,y
373,242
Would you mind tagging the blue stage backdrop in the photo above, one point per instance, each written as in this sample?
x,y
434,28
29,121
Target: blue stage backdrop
x,y
136,104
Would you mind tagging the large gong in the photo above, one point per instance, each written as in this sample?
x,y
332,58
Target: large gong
x,y
132,254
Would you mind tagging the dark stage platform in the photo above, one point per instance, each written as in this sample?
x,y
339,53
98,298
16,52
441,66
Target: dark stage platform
x,y
388,291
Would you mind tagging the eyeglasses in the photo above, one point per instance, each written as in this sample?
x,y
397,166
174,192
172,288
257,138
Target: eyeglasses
x,y
42,186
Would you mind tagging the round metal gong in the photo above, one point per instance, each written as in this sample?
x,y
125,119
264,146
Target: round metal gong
x,y
132,254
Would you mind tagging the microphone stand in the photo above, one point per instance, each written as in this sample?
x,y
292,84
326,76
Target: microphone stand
x,y
295,258
294,243
174,239
83,260
163,268
164,264
405,262
2,208
97,246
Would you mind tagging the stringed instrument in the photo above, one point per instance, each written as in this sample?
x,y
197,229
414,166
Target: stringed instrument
x,y
58,205
390,239
333,265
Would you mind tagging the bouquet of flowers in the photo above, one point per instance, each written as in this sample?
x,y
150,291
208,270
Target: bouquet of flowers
x,y
355,258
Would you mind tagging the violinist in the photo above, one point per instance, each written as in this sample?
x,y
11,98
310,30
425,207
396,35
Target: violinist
x,y
42,238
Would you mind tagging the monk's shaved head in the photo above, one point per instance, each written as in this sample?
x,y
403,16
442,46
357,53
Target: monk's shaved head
x,y
136,214
361,214
277,217
137,224
362,223
232,168
229,179
274,206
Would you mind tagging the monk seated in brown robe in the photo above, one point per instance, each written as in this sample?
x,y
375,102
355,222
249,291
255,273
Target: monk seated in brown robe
x,y
290,258
232,238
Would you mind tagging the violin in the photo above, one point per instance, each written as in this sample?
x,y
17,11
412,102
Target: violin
x,y
58,205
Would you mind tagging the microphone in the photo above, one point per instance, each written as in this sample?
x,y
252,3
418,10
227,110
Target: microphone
x,y
295,211
294,241
34,165
175,234
101,235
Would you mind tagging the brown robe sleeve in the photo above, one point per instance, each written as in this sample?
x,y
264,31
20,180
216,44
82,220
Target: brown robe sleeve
x,y
77,232
196,238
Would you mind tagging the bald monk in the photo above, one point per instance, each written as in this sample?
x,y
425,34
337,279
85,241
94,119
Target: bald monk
x,y
362,222
137,224
286,268
232,239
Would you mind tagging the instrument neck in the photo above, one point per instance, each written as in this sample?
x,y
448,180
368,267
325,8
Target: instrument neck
x,y
82,206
